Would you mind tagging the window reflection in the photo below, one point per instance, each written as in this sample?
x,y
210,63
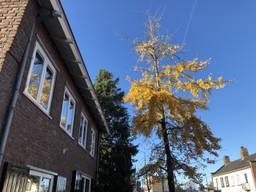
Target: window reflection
x,y
47,85
45,184
33,184
67,113
70,117
82,131
38,184
36,74
41,79
64,112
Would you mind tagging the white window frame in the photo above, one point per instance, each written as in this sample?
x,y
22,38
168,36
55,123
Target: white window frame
x,y
84,131
40,174
47,63
90,182
71,98
246,180
232,181
238,178
217,182
226,178
93,142
222,182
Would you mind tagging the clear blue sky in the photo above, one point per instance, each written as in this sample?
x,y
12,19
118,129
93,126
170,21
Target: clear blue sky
x,y
224,30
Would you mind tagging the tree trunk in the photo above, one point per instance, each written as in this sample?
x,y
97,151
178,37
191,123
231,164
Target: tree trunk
x,y
169,159
148,186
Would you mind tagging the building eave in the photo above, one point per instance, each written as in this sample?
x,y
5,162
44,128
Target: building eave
x,y
216,174
56,23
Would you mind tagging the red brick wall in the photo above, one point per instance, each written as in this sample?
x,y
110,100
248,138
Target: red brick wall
x,y
35,138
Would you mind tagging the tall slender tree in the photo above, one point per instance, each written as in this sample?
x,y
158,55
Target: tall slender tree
x,y
166,98
116,149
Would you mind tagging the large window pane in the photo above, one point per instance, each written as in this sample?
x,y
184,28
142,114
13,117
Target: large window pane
x,y
45,184
222,182
84,133
64,113
70,117
67,113
38,183
81,130
33,184
47,85
87,185
93,137
61,184
35,77
78,182
227,181
82,183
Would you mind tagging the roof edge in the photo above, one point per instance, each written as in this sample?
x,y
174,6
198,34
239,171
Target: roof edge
x,y
215,174
57,6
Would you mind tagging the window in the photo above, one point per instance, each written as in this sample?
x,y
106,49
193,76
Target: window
x,y
68,112
41,79
26,180
93,138
222,182
227,181
83,130
217,183
61,184
82,183
14,177
246,178
233,180
39,182
238,179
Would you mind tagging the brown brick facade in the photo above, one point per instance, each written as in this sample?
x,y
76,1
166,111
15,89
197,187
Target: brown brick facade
x,y
11,14
35,138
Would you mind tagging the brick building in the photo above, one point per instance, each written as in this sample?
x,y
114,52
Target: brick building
x,y
50,118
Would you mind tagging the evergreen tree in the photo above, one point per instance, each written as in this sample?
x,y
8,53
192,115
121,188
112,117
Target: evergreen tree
x,y
116,150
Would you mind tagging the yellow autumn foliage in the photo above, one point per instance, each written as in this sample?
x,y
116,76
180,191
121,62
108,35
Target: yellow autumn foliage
x,y
167,86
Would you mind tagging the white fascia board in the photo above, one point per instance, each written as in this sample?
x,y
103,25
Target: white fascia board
x,y
64,24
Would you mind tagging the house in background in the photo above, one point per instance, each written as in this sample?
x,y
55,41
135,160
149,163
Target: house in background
x,y
50,118
152,185
238,175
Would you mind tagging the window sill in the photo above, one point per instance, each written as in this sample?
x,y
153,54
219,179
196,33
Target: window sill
x,y
70,135
92,156
82,146
36,104
88,152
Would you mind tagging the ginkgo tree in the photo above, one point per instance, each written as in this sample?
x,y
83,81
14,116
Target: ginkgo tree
x,y
166,98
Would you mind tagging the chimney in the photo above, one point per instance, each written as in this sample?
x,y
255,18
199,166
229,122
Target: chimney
x,y
244,153
226,160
